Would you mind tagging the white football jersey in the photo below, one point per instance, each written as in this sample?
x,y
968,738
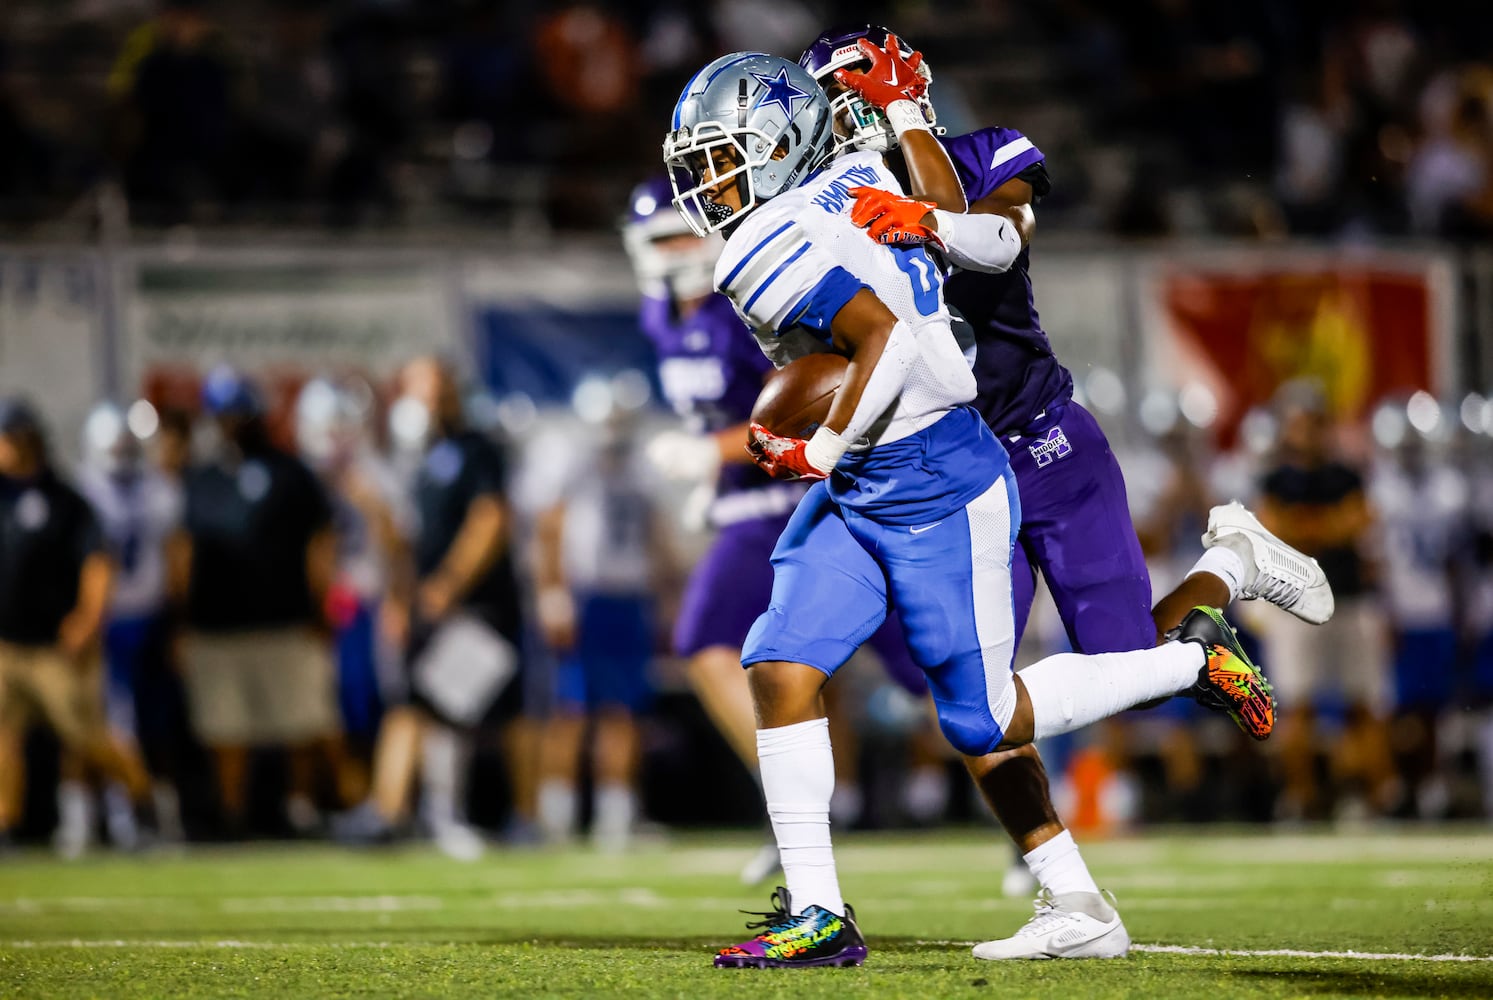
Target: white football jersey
x,y
795,260
362,562
1422,519
137,514
607,538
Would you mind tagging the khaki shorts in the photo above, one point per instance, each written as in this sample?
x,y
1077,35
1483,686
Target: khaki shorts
x,y
1347,658
66,693
266,686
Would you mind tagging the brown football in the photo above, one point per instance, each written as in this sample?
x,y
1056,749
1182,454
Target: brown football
x,y
797,399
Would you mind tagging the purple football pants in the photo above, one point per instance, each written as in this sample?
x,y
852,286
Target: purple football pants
x,y
1076,529
732,585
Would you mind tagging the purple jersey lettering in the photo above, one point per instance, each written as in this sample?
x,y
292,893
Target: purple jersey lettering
x,y
711,372
1017,374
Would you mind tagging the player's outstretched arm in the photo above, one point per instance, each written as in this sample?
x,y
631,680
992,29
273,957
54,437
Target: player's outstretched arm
x,y
989,237
892,85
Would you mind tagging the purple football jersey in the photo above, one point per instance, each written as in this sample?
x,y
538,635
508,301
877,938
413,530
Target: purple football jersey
x,y
1017,373
711,371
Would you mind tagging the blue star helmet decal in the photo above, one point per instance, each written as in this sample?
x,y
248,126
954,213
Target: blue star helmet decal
x,y
780,91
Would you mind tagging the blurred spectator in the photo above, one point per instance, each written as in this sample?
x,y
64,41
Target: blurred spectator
x,y
138,509
1316,503
332,424
26,163
458,619
1451,177
172,445
1421,503
291,137
252,566
602,556
368,51
55,577
175,80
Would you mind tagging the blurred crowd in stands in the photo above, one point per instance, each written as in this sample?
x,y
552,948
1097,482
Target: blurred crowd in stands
x,y
377,618
1308,117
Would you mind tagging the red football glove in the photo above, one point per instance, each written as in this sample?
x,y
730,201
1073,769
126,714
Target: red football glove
x,y
890,78
780,457
892,218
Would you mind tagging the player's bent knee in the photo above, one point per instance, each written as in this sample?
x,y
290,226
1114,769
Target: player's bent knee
x,y
785,693
970,735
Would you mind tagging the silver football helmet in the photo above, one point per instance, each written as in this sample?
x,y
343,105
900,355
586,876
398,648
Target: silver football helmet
x,y
750,124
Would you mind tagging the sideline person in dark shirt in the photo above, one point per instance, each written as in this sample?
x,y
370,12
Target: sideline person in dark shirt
x,y
1317,503
55,577
250,570
458,618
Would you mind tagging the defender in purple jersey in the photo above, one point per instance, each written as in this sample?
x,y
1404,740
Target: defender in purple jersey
x,y
711,372
1076,526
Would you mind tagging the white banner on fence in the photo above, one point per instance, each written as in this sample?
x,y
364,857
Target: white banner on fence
x,y
297,310
51,348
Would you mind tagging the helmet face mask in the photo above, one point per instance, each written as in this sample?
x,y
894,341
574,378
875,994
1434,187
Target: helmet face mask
x,y
858,125
718,167
747,128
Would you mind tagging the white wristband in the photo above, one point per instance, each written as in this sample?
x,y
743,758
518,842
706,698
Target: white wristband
x,y
906,116
825,449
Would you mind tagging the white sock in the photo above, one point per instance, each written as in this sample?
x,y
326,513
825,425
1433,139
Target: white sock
x,y
119,817
1058,867
1070,690
168,812
614,808
798,779
444,753
1224,563
557,804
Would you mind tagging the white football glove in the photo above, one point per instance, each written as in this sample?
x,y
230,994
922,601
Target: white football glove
x,y
684,456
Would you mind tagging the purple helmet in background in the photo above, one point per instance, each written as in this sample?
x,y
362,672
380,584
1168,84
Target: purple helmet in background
x,y
667,257
857,124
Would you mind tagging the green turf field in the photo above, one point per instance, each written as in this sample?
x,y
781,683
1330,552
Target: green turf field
x,y
318,922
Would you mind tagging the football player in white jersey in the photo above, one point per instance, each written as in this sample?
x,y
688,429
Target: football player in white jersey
x,y
914,503
372,524
603,553
137,508
1422,505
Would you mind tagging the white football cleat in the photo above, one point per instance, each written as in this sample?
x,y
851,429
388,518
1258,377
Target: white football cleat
x,y
1073,925
1273,570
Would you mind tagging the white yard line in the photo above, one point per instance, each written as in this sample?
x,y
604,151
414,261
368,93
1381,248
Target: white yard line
x,y
1151,949
1177,949
1374,956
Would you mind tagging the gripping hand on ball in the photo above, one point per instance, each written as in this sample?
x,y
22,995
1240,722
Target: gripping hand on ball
x,y
890,77
781,457
893,218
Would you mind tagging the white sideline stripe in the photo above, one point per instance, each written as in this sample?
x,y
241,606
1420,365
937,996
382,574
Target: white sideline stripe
x,y
230,944
1152,949
1178,949
1375,956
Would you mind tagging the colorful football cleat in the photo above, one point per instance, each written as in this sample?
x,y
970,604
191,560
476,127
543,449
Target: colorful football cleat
x,y
815,937
1228,681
